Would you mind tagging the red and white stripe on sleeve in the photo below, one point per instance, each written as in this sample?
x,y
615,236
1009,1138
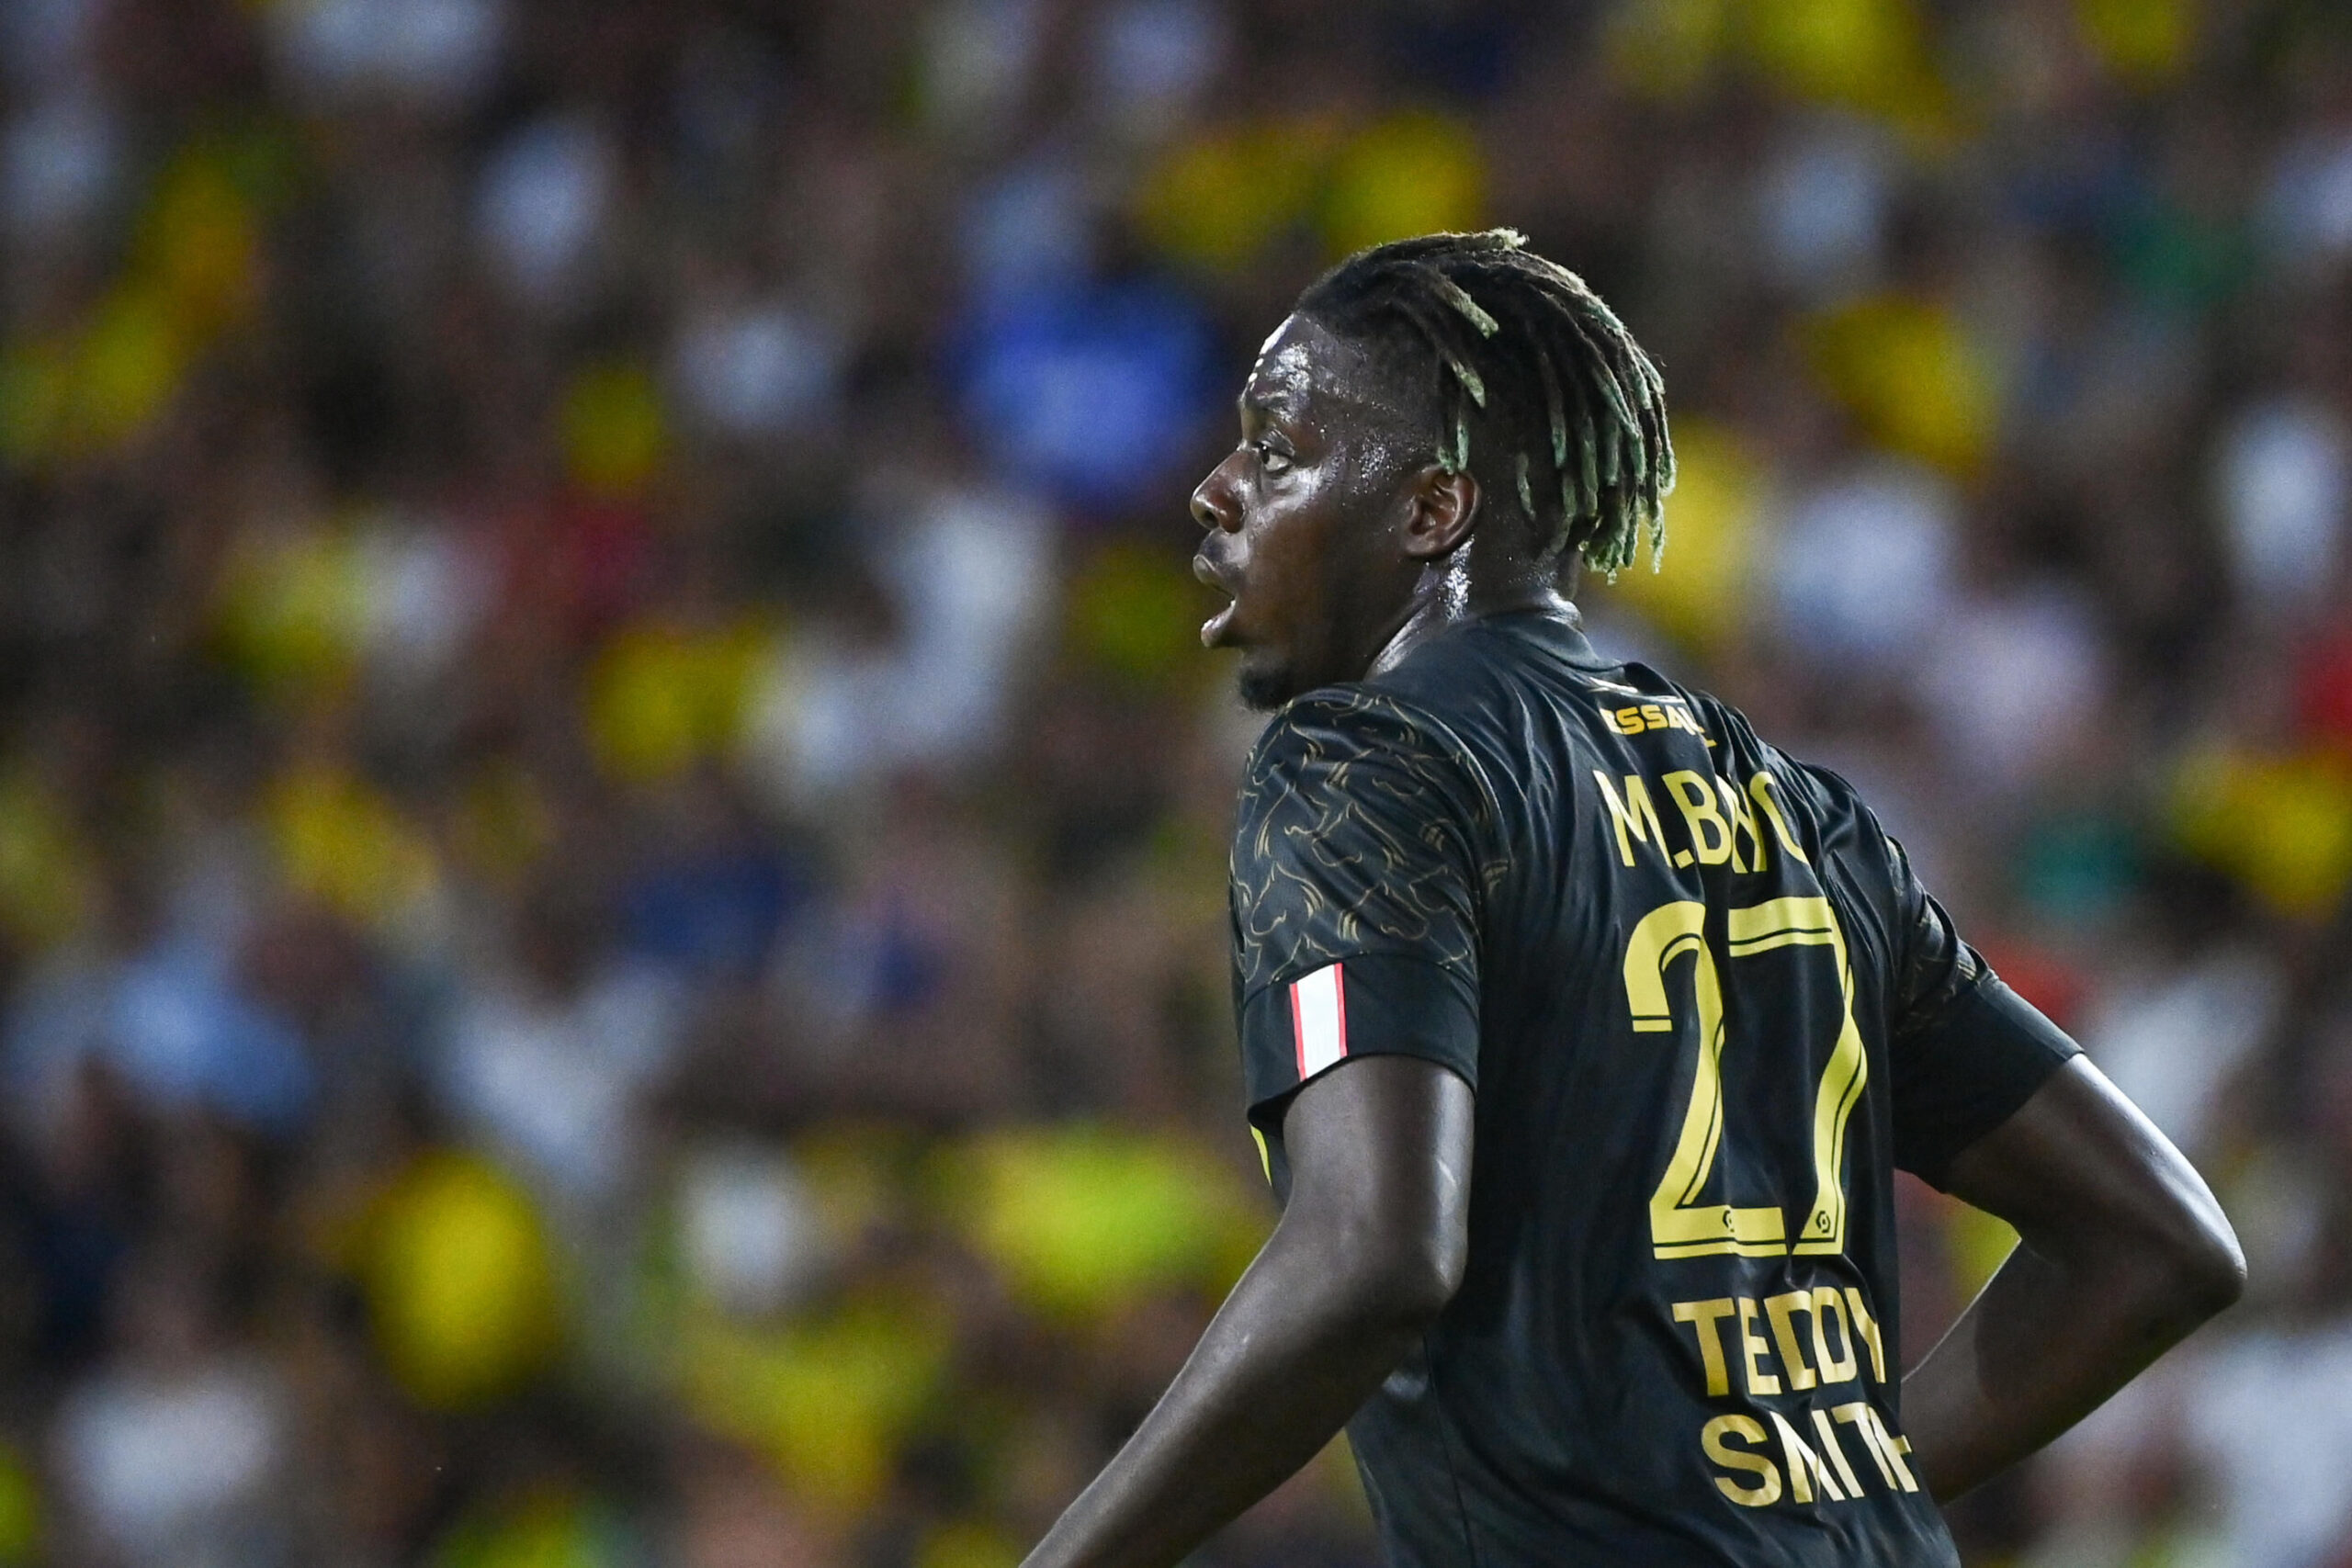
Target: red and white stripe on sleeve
x,y
1318,1019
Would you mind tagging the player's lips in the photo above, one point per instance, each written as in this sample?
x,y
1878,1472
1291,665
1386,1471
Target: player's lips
x,y
1214,630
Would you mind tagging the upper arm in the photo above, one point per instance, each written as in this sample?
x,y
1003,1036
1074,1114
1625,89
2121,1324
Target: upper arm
x,y
1356,891
1380,1174
2079,1170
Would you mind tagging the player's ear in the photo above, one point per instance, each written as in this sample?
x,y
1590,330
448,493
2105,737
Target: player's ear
x,y
1441,507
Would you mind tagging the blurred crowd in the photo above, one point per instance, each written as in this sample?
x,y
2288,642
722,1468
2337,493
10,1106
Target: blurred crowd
x,y
612,829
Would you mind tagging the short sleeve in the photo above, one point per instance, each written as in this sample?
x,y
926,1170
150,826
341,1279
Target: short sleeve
x,y
1356,888
1967,1051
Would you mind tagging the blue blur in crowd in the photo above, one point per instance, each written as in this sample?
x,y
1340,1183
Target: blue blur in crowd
x,y
715,915
177,1028
1092,392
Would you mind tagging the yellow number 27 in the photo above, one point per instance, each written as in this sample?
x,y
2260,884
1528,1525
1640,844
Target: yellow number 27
x,y
1682,1225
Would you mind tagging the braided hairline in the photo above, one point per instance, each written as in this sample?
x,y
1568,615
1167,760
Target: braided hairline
x,y
1502,323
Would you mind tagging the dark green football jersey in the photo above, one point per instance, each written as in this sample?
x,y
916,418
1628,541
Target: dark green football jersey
x,y
1707,1012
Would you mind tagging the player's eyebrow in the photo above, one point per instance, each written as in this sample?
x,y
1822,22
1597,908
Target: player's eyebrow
x,y
1278,402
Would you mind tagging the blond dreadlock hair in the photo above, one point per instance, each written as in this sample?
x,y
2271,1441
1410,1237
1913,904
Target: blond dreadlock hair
x,y
1522,351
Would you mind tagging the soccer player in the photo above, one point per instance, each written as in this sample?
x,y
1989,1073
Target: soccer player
x,y
1584,1031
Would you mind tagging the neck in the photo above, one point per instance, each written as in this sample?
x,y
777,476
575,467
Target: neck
x,y
1459,587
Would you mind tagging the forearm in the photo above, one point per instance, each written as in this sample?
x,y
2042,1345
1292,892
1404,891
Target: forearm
x,y
2124,1252
2044,1344
1295,1348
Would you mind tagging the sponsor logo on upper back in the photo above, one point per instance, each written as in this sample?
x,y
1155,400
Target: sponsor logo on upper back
x,y
1656,713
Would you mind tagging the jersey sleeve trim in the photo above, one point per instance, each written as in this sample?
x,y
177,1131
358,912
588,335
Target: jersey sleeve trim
x,y
1367,1004
1318,1019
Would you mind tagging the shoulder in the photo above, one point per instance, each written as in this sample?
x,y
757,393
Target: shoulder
x,y
1840,820
1824,807
1454,703
1363,744
1346,720
1856,858
1359,832
1842,835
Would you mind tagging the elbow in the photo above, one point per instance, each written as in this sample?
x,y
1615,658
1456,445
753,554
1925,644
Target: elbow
x,y
1411,1284
2170,1267
2186,1275
1396,1283
2208,1270
1417,1294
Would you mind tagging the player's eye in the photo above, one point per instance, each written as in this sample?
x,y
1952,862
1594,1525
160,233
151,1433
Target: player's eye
x,y
1272,456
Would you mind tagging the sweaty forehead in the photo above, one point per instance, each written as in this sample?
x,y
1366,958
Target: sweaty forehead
x,y
1305,370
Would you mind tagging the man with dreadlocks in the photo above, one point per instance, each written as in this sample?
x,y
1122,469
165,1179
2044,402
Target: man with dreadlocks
x,y
1583,1031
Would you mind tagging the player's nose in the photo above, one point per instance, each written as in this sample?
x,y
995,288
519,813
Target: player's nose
x,y
1214,503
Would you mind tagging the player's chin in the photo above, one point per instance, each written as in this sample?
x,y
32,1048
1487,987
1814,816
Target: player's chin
x,y
1265,681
